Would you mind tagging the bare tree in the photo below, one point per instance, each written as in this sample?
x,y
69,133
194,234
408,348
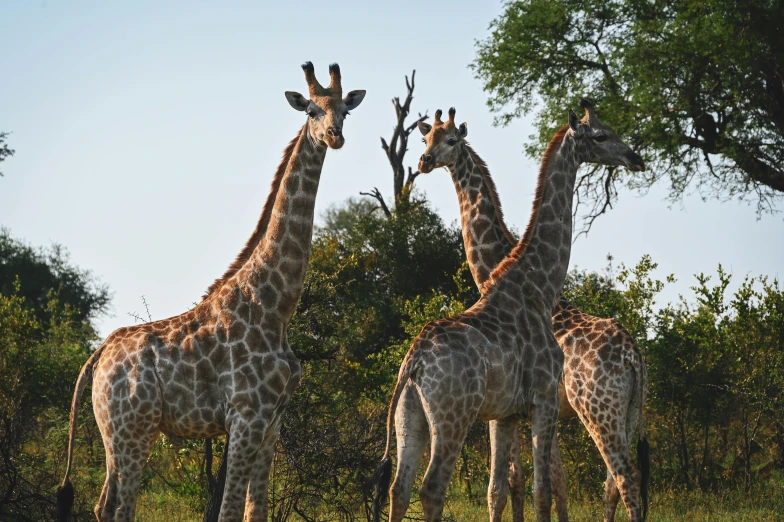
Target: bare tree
x,y
396,150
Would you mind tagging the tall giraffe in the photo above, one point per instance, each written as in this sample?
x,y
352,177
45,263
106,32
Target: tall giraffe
x,y
225,366
595,351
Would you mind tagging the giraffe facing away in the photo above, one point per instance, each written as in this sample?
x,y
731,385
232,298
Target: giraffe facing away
x,y
604,370
225,366
498,358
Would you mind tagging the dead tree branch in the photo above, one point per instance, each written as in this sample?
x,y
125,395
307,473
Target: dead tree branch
x,y
377,195
398,143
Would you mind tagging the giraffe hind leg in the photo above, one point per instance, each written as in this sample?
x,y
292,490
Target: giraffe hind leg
x,y
612,442
503,438
412,434
127,407
443,456
611,498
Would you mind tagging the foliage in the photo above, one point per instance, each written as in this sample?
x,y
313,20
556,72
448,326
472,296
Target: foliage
x,y
706,110
38,363
713,415
371,284
40,271
5,150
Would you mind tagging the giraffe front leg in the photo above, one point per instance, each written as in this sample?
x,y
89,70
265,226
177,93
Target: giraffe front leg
x,y
558,481
502,433
257,501
516,478
545,416
245,441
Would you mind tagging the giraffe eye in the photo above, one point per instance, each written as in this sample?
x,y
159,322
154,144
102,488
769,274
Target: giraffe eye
x,y
600,138
451,141
311,114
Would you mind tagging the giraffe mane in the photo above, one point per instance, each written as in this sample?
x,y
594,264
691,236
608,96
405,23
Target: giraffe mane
x,y
493,192
261,226
519,249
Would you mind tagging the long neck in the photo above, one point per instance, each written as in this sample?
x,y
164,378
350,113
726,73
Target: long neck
x,y
276,267
485,236
541,258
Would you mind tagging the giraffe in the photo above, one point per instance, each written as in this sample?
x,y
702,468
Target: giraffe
x,y
225,366
595,350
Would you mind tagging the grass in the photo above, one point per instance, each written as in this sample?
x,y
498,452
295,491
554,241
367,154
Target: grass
x,y
764,504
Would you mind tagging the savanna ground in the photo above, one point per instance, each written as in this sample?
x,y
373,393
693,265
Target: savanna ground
x,y
763,504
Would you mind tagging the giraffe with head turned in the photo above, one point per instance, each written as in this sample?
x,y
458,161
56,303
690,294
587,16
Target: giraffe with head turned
x,y
604,372
225,366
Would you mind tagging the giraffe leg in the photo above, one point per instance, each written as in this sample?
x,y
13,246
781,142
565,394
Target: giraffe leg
x,y
558,481
516,478
545,416
412,433
107,503
127,408
613,446
443,456
611,498
502,439
245,440
257,500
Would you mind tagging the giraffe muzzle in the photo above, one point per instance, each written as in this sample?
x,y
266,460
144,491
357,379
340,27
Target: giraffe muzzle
x,y
425,163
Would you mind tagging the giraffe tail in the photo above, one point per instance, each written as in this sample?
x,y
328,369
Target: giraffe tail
x,y
65,493
643,449
383,474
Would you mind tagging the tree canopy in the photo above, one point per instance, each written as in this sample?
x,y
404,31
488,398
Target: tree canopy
x,y
696,86
5,150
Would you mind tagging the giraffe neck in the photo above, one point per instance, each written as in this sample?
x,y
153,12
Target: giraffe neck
x,y
541,259
486,239
276,267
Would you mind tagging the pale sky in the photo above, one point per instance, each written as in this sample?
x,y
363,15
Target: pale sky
x,y
147,134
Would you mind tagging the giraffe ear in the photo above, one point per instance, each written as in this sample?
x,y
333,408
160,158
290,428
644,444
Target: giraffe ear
x,y
574,125
297,101
353,99
424,128
462,131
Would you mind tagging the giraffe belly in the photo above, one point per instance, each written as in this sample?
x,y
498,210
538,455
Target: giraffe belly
x,y
502,393
192,416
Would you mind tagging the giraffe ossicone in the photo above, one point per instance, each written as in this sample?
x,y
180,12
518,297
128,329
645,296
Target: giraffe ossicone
x,y
224,366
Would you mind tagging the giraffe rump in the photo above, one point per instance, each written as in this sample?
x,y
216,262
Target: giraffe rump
x,y
261,226
519,249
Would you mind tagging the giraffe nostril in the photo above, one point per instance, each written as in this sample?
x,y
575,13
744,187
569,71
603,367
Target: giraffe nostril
x,y
426,158
333,131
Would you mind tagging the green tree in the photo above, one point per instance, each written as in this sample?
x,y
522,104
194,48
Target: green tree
x,y
39,271
46,334
5,150
372,282
696,86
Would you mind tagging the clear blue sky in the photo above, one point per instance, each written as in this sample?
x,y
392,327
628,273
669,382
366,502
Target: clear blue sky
x,y
146,135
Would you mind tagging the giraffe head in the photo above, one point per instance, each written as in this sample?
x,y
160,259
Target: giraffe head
x,y
443,141
326,108
596,142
